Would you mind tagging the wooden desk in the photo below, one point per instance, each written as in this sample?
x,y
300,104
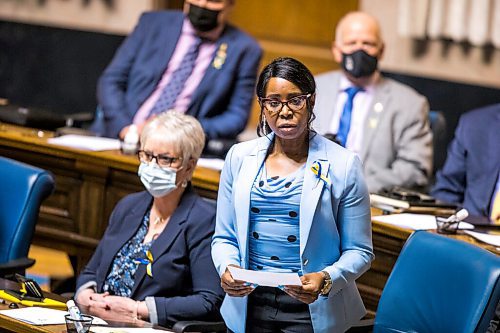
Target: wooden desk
x,y
88,186
8,324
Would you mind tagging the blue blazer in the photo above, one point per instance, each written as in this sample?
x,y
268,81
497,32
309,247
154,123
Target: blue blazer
x,y
184,284
472,166
335,228
221,102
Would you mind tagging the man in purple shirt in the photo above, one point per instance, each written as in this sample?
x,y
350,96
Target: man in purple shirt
x,y
219,89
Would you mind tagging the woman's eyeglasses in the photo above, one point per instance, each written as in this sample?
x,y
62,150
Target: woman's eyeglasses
x,y
275,106
163,160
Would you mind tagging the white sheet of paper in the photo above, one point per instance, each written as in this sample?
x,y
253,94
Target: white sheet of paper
x,y
211,163
486,238
86,142
267,279
42,316
415,221
96,329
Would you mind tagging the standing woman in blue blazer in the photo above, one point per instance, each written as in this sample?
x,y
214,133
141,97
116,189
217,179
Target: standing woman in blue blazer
x,y
292,201
153,262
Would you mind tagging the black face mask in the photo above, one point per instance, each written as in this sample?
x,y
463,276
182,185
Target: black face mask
x,y
202,19
359,63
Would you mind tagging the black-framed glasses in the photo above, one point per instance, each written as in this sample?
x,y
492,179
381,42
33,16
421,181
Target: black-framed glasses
x,y
163,160
274,105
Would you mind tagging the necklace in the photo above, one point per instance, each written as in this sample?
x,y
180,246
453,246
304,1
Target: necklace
x,y
158,220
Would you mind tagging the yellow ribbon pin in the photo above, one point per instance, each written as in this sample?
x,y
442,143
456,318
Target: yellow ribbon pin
x,y
317,170
149,269
148,261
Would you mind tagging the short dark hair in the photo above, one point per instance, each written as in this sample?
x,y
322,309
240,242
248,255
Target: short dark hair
x,y
293,71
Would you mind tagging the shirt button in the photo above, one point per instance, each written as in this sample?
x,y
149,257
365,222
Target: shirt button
x,y
306,261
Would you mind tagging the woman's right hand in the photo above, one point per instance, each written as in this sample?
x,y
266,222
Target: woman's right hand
x,y
89,297
84,296
234,287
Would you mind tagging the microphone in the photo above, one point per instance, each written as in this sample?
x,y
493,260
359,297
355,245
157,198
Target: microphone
x,y
450,225
458,216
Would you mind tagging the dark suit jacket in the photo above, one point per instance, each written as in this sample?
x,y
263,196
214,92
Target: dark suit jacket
x,y
471,169
221,102
185,283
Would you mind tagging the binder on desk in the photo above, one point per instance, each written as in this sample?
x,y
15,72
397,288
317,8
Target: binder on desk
x,y
45,302
30,294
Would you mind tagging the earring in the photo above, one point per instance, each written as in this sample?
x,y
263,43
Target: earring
x,y
263,124
184,183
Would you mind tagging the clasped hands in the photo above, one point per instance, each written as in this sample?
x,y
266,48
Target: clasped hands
x,y
108,306
308,292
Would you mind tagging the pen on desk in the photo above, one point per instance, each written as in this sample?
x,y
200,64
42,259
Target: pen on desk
x,y
74,312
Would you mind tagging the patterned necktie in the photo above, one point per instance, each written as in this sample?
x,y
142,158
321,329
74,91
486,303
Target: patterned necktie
x,y
345,118
179,77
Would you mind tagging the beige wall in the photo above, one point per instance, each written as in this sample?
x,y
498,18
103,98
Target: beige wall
x,y
74,14
453,64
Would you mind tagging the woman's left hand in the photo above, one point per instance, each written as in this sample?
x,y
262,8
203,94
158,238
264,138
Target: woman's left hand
x,y
310,289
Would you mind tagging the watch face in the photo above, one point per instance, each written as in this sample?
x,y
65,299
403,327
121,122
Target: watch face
x,y
326,287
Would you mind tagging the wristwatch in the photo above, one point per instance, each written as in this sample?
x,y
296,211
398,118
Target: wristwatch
x,y
327,284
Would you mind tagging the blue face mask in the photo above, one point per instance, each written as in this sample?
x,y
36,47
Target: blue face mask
x,y
158,181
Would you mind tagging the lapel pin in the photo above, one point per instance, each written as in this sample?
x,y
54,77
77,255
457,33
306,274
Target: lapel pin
x,y
320,173
220,56
378,107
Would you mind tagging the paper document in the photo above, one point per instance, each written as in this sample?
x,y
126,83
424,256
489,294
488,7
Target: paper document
x,y
211,163
267,279
42,316
415,221
86,142
485,237
124,330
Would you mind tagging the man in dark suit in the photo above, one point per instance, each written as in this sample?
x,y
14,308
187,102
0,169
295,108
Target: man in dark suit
x,y
470,176
387,122
218,90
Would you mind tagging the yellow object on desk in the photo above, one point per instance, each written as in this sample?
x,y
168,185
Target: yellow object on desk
x,y
47,302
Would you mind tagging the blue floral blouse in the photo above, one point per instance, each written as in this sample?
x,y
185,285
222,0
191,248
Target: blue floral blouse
x,y
120,280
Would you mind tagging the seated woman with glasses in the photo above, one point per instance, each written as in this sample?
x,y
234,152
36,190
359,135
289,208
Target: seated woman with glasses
x,y
292,201
153,262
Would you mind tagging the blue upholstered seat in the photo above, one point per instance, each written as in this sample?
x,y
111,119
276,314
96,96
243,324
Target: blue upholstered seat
x,y
439,284
22,190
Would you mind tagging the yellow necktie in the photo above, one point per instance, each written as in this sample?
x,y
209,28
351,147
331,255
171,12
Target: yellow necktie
x,y
495,209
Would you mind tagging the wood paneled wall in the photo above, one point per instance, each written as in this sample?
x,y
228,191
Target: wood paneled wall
x,y
296,28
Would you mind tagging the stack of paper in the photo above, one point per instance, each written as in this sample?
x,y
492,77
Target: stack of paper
x,y
86,142
42,316
485,237
124,330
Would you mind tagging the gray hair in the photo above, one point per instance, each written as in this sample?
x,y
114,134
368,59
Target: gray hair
x,y
183,131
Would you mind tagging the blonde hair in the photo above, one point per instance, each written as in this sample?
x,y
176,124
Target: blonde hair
x,y
184,132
